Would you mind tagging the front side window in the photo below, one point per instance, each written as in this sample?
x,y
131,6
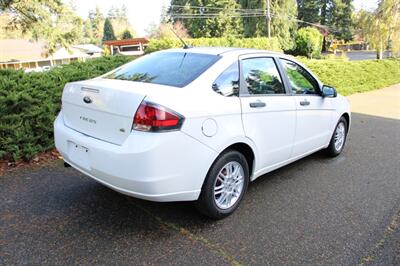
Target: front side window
x,y
166,68
261,76
300,80
227,84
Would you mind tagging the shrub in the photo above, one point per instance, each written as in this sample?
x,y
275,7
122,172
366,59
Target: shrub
x,y
350,77
257,43
29,103
308,42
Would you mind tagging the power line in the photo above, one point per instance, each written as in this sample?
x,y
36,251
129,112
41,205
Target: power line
x,y
215,8
247,15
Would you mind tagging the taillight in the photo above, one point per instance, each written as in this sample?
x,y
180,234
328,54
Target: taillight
x,y
152,117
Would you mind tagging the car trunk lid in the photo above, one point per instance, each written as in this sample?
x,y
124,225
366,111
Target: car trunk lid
x,y
102,108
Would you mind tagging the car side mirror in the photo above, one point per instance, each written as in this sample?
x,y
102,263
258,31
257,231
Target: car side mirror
x,y
328,91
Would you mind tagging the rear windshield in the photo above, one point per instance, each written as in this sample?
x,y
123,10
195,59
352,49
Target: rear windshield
x,y
166,68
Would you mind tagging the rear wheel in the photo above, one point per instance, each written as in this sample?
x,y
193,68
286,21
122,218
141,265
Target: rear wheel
x,y
225,185
338,139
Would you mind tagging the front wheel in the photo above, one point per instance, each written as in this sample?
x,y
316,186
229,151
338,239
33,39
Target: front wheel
x,y
338,139
224,186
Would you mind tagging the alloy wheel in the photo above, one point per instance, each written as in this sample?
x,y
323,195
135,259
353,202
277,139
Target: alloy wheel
x,y
228,185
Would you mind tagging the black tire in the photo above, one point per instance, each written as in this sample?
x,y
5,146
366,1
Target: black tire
x,y
331,150
206,203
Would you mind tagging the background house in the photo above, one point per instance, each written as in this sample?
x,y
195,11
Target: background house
x,y
33,55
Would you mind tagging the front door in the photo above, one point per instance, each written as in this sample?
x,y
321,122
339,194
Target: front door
x,y
314,113
268,111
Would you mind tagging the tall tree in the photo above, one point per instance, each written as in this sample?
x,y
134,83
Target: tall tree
x,y
164,30
341,21
254,26
361,21
284,22
126,35
28,14
119,20
309,11
51,20
333,16
88,31
384,29
108,33
97,20
216,18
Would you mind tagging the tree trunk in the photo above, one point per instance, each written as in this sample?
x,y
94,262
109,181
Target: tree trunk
x,y
380,51
324,44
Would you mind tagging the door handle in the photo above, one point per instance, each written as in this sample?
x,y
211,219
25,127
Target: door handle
x,y
257,104
304,102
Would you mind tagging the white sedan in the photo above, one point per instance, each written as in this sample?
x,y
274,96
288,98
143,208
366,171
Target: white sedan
x,y
198,124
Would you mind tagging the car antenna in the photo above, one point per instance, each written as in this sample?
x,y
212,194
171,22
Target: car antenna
x,y
185,45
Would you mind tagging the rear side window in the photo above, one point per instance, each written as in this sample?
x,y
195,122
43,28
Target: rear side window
x,y
261,76
227,84
166,68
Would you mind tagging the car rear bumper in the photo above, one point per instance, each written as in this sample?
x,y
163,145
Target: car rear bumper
x,y
153,166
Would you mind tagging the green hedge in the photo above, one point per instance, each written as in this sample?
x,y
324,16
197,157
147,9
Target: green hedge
x,y
29,103
350,77
257,43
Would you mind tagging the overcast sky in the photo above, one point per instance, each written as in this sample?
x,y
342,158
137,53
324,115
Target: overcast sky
x,y
141,13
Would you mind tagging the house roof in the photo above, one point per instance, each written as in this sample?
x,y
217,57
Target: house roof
x,y
133,41
88,48
20,49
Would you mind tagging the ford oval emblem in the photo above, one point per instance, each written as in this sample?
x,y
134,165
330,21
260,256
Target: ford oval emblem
x,y
87,99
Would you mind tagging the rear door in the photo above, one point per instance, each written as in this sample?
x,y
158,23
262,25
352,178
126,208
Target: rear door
x,y
314,113
268,111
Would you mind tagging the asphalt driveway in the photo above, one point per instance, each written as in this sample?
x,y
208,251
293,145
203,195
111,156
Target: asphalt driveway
x,y
315,211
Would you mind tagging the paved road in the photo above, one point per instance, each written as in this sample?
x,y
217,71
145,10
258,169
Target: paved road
x,y
362,55
316,211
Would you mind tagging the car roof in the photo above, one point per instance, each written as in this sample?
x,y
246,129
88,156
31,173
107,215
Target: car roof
x,y
222,51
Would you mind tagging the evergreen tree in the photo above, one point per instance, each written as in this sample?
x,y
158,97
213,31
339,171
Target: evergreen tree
x,y
283,22
108,33
220,25
88,31
342,22
334,16
97,20
43,19
123,13
113,12
254,26
119,20
126,35
309,11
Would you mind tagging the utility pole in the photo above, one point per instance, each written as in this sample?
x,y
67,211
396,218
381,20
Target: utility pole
x,y
269,18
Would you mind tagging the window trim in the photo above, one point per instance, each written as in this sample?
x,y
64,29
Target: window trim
x,y
243,91
288,81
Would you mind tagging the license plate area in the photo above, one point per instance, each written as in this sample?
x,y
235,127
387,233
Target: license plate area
x,y
79,155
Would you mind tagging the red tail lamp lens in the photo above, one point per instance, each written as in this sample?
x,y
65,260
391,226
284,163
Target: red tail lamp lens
x,y
156,118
